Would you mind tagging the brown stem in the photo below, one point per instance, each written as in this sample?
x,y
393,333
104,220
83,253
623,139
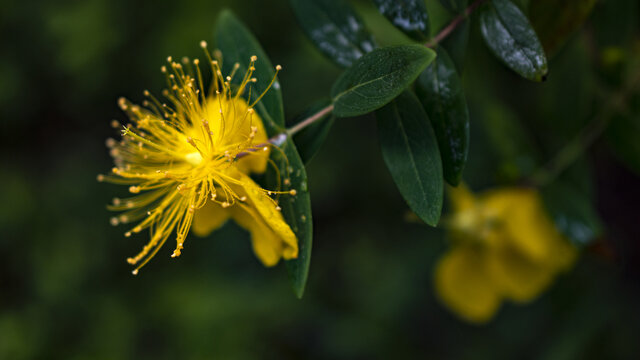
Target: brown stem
x,y
310,120
447,30
280,138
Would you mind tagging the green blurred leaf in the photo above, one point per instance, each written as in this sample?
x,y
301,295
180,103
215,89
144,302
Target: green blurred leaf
x,y
310,139
440,91
410,150
454,6
296,209
456,44
510,141
622,136
555,21
378,77
238,45
509,35
335,28
410,16
572,212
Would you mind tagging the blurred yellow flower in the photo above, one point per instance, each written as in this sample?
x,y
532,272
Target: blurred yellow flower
x,y
189,164
504,247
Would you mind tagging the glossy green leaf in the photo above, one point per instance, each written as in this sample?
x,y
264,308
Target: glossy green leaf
x,y
440,91
555,21
572,213
296,209
509,35
410,150
454,6
335,28
410,16
310,139
237,45
377,78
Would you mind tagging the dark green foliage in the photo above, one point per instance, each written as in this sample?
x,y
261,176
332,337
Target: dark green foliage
x,y
410,150
440,90
555,21
509,35
456,44
296,210
335,29
378,77
310,139
238,45
455,6
572,213
410,16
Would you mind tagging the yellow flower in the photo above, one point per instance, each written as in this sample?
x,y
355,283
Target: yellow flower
x,y
188,163
504,247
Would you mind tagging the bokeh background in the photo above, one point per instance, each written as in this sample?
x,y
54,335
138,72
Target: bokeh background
x,y
66,291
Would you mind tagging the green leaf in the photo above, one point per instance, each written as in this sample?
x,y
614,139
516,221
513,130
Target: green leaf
x,y
555,21
572,213
454,6
410,150
456,44
440,91
410,16
238,45
310,139
335,28
513,147
509,35
378,77
296,209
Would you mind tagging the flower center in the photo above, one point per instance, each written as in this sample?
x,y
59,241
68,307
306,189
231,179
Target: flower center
x,y
193,158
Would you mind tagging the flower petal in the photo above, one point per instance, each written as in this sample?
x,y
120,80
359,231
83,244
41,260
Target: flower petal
x,y
265,210
463,284
267,246
516,276
209,218
522,219
461,198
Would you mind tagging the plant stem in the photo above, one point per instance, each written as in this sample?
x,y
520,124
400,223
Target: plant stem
x,y
446,31
454,24
310,120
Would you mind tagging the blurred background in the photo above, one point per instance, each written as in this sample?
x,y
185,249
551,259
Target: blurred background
x,y
66,291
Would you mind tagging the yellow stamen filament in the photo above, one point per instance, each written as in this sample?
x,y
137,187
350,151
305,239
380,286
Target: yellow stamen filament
x,y
176,155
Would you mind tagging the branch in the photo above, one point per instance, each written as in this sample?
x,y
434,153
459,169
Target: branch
x,y
447,30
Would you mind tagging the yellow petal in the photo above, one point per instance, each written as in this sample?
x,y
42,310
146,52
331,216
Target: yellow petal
x,y
266,209
463,284
271,236
267,246
209,218
516,276
521,220
461,198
